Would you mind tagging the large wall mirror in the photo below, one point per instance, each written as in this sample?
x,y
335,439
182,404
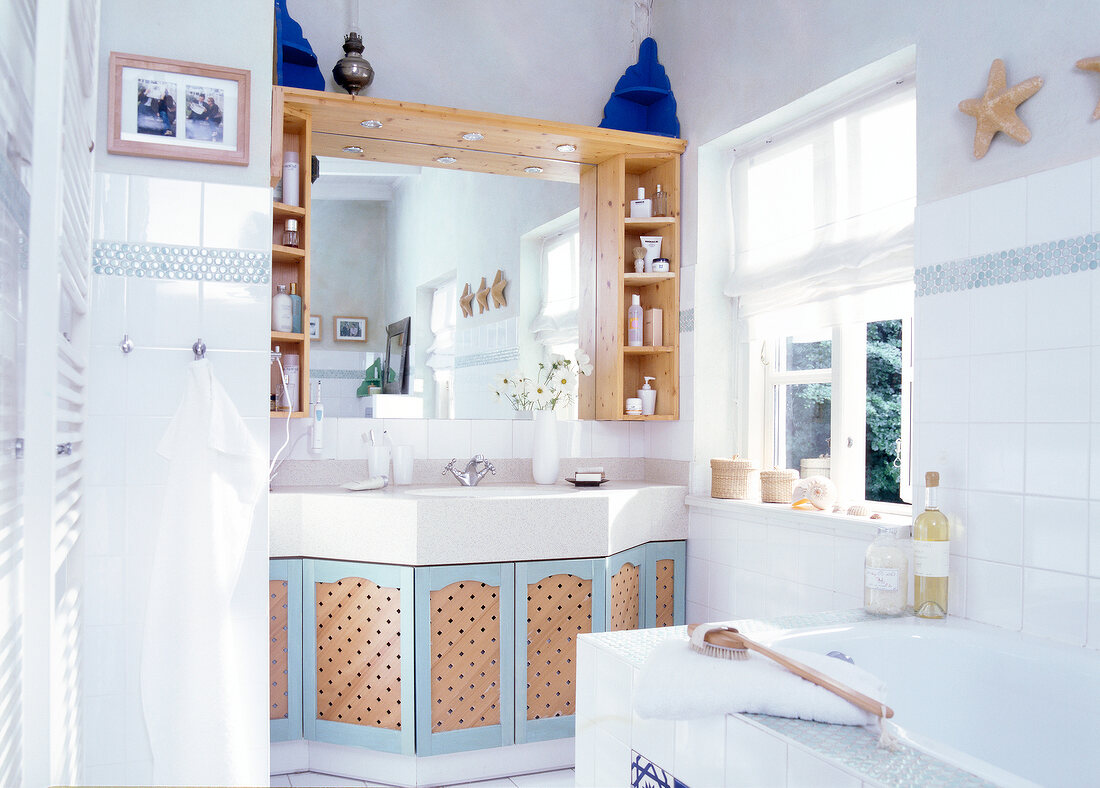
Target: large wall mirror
x,y
391,240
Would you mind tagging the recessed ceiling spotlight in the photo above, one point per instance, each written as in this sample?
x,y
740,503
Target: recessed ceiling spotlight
x,y
566,148
473,136
532,170
352,149
446,159
371,124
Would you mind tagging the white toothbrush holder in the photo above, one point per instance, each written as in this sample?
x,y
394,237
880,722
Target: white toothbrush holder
x,y
378,461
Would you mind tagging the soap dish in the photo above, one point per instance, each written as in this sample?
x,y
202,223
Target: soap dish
x,y
587,484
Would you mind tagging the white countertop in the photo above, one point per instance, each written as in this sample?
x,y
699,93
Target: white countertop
x,y
532,523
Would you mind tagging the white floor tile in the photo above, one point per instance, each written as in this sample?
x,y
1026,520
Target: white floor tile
x,y
563,778
502,782
280,781
317,780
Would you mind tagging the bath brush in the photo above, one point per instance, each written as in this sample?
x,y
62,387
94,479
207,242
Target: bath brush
x,y
728,643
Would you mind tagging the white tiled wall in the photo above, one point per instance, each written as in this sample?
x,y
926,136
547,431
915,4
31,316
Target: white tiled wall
x,y
131,400
1008,407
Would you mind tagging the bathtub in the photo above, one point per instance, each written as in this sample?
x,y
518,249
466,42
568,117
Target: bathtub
x,y
975,694
974,705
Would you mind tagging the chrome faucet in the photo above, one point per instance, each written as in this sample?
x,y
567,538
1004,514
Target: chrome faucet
x,y
471,476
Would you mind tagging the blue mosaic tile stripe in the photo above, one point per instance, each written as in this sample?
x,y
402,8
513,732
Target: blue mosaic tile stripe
x,y
489,357
687,320
1039,261
644,773
337,374
157,261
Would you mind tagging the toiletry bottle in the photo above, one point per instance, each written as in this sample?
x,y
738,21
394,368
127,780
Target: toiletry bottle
x,y
634,322
282,319
290,233
295,309
291,379
648,396
885,575
660,202
931,549
641,208
290,178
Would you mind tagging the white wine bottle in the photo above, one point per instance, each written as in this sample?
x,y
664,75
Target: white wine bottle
x,y
931,551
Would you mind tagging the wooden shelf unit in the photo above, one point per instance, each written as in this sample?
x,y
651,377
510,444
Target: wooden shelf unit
x,y
620,368
291,131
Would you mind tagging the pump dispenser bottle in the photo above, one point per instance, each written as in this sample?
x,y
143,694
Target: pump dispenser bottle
x,y
634,322
648,396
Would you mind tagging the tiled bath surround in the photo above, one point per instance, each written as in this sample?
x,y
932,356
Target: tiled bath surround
x,y
131,401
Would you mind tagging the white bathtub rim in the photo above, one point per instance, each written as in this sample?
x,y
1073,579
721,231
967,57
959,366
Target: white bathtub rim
x,y
937,748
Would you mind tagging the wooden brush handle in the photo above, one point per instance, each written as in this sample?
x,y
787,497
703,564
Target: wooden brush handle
x,y
731,638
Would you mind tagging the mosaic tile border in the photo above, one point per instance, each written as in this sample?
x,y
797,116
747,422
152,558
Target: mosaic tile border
x,y
337,374
16,198
687,320
1038,261
160,261
853,747
488,357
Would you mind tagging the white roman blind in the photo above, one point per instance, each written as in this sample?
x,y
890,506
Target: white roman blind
x,y
556,323
823,216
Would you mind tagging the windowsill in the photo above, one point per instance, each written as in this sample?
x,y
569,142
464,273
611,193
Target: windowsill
x,y
783,514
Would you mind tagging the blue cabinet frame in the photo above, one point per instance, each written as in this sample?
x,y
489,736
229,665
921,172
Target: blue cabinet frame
x,y
659,551
290,571
434,578
558,727
397,741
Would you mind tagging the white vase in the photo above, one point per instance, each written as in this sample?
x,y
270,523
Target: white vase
x,y
544,448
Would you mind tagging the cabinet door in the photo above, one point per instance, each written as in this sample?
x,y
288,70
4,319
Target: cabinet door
x,y
555,602
285,611
465,668
626,589
358,635
665,580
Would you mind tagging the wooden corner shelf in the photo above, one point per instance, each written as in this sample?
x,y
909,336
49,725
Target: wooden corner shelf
x,y
286,336
286,254
647,350
654,223
641,280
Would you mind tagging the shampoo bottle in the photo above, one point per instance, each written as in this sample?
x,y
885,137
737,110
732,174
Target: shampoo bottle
x,y
931,550
282,318
641,208
290,178
634,322
295,309
648,396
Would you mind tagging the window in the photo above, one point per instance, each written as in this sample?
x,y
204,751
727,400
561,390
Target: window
x,y
555,326
822,272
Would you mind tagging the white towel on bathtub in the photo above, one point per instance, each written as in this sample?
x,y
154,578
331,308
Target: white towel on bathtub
x,y
678,683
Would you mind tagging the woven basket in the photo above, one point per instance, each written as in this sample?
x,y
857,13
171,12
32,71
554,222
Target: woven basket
x,y
777,485
729,478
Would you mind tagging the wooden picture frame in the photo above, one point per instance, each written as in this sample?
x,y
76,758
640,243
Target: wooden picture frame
x,y
173,109
349,329
315,327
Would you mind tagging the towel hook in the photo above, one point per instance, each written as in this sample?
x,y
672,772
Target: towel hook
x,y
199,349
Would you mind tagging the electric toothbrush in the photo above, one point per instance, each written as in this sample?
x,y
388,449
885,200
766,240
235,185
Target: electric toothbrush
x,y
318,422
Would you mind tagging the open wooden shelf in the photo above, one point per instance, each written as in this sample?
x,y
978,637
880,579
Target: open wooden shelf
x,y
286,336
282,414
641,280
283,211
647,350
644,225
286,254
655,417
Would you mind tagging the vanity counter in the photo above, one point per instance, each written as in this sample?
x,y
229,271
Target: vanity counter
x,y
446,524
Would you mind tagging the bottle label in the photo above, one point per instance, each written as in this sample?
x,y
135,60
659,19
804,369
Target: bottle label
x,y
881,579
930,559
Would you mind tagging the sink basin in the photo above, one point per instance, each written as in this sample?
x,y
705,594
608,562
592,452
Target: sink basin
x,y
490,491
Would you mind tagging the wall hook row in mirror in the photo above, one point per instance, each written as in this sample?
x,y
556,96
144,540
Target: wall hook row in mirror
x,y
483,297
466,301
499,283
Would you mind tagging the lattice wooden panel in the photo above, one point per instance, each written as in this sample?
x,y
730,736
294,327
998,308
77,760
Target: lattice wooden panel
x,y
465,622
665,595
558,609
277,611
359,653
625,593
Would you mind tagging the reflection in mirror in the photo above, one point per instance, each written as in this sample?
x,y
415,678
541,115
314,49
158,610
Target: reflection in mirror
x,y
396,378
394,240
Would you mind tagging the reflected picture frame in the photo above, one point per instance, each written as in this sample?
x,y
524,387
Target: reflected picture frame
x,y
315,327
395,380
175,109
349,329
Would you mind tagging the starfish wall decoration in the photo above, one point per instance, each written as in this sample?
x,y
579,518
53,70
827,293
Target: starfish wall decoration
x,y
1091,64
499,283
996,110
466,301
483,297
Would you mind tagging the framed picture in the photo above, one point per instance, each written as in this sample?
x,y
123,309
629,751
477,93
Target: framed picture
x,y
171,109
314,326
349,329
